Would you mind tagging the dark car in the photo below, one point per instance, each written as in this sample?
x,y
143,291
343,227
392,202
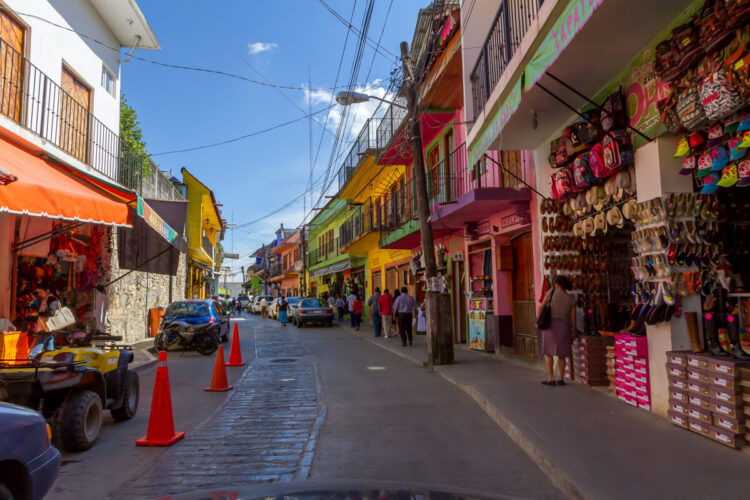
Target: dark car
x,y
28,462
199,312
312,311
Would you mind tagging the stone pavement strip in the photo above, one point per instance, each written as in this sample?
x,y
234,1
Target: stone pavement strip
x,y
266,431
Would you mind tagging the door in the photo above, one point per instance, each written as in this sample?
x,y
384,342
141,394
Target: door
x,y
433,176
11,66
391,279
525,338
377,281
448,172
75,100
459,302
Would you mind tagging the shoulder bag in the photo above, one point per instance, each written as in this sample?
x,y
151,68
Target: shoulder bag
x,y
545,317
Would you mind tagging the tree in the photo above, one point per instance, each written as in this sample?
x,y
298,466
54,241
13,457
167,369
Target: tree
x,y
131,137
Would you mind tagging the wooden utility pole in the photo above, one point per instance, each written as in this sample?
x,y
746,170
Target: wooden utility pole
x,y
439,327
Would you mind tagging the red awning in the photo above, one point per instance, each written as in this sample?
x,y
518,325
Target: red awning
x,y
45,190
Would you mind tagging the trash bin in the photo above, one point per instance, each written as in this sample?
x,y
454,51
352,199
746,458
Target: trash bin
x,y
154,318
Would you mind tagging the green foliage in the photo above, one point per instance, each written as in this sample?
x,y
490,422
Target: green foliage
x,y
219,253
131,135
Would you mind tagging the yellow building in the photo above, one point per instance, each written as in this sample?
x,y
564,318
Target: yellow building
x,y
204,229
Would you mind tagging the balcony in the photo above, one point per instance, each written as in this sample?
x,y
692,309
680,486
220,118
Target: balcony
x,y
274,269
389,127
511,23
365,144
316,255
354,233
207,246
34,101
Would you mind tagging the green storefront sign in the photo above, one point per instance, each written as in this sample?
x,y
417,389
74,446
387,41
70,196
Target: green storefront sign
x,y
497,124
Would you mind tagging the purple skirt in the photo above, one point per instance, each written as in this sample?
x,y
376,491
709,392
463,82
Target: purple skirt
x,y
556,339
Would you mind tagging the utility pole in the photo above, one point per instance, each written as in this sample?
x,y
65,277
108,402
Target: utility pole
x,y
439,334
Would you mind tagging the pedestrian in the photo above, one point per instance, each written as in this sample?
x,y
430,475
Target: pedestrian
x,y
404,307
356,311
350,303
341,307
264,308
421,320
372,302
394,320
283,308
558,337
239,307
332,301
385,304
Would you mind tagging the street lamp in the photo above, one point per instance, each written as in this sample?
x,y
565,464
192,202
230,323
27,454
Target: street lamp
x,y
347,98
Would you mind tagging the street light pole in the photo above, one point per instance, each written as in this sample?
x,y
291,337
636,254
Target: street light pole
x,y
439,328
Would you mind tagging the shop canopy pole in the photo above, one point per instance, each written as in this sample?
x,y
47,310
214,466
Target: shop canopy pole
x,y
597,106
44,236
513,175
102,287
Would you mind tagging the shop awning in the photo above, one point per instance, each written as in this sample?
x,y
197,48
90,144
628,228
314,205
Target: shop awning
x,y
44,190
332,268
154,243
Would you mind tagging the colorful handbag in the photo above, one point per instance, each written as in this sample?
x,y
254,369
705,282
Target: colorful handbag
x,y
718,98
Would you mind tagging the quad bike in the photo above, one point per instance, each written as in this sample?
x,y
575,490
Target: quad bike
x,y
72,385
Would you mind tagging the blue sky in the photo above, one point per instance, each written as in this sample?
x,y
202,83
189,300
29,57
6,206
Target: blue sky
x,y
181,109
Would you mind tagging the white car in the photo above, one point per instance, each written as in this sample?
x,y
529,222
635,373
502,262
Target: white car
x,y
255,308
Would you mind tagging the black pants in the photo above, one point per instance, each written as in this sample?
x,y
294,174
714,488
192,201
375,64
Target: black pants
x,y
404,326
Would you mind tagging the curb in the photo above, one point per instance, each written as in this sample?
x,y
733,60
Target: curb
x,y
557,476
141,350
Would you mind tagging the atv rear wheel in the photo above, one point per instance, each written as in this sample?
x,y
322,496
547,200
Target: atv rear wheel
x,y
79,420
206,344
130,395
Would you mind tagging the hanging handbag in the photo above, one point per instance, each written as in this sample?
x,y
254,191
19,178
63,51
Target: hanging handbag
x,y
545,317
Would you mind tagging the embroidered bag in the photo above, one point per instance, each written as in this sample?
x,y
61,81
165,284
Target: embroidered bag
x,y
713,25
718,98
690,110
613,113
562,184
582,175
617,153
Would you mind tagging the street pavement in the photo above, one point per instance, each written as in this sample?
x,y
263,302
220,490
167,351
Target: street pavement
x,y
314,404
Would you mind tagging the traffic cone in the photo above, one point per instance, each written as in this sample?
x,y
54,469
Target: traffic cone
x,y
235,353
160,421
219,380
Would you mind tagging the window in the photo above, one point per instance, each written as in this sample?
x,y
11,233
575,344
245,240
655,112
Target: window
x,y
108,80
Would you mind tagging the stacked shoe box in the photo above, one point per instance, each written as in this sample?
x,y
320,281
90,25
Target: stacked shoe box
x,y
715,407
589,360
631,370
611,375
745,388
679,398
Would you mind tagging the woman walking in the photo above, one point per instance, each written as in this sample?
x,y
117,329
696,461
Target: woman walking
x,y
558,337
394,323
356,312
283,308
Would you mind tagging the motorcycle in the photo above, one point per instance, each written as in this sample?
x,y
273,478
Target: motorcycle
x,y
176,334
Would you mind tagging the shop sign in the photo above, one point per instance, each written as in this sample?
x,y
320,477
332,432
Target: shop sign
x,y
513,220
457,256
155,221
566,27
483,228
497,124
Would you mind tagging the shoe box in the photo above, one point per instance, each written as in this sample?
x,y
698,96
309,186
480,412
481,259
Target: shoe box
x,y
590,359
611,375
631,377
707,396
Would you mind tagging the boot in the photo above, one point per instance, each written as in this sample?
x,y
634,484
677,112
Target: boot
x,y
733,325
712,335
691,318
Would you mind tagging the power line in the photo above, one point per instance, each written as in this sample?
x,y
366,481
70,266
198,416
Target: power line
x,y
379,49
235,139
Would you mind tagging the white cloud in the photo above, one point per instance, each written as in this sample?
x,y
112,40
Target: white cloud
x,y
258,47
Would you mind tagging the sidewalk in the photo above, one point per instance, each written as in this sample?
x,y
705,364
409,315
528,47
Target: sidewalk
x,y
144,354
589,444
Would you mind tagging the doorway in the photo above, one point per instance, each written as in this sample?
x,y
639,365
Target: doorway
x,y
525,338
458,297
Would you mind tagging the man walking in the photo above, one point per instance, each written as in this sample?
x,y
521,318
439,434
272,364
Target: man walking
x,y
332,301
404,307
385,303
372,302
350,304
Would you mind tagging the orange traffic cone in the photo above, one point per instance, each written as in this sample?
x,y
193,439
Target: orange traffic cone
x,y
160,421
219,380
235,354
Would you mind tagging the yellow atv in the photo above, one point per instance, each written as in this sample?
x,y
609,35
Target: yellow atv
x,y
72,385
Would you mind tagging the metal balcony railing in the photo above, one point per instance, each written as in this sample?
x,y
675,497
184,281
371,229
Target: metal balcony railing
x,y
316,255
207,246
391,123
358,224
511,22
36,102
274,269
453,176
397,207
366,140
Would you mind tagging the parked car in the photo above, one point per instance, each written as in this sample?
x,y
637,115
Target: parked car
x,y
28,462
312,311
198,312
273,309
244,301
258,300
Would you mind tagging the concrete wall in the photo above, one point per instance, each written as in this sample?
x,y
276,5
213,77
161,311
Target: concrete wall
x,y
157,186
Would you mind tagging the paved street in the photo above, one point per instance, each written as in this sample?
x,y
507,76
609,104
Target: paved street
x,y
317,404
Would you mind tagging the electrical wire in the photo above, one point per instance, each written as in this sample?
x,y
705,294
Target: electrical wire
x,y
379,49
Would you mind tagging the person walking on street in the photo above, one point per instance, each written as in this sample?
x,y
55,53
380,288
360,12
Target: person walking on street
x,y
239,307
332,301
372,302
558,337
283,308
350,303
421,321
385,304
357,311
394,318
341,307
264,308
404,307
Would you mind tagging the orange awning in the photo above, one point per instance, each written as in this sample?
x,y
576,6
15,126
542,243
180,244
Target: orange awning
x,y
44,190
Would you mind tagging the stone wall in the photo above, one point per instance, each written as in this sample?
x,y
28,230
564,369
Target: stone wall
x,y
130,298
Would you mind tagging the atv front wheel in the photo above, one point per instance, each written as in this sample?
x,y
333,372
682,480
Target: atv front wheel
x,y
131,391
79,420
206,345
